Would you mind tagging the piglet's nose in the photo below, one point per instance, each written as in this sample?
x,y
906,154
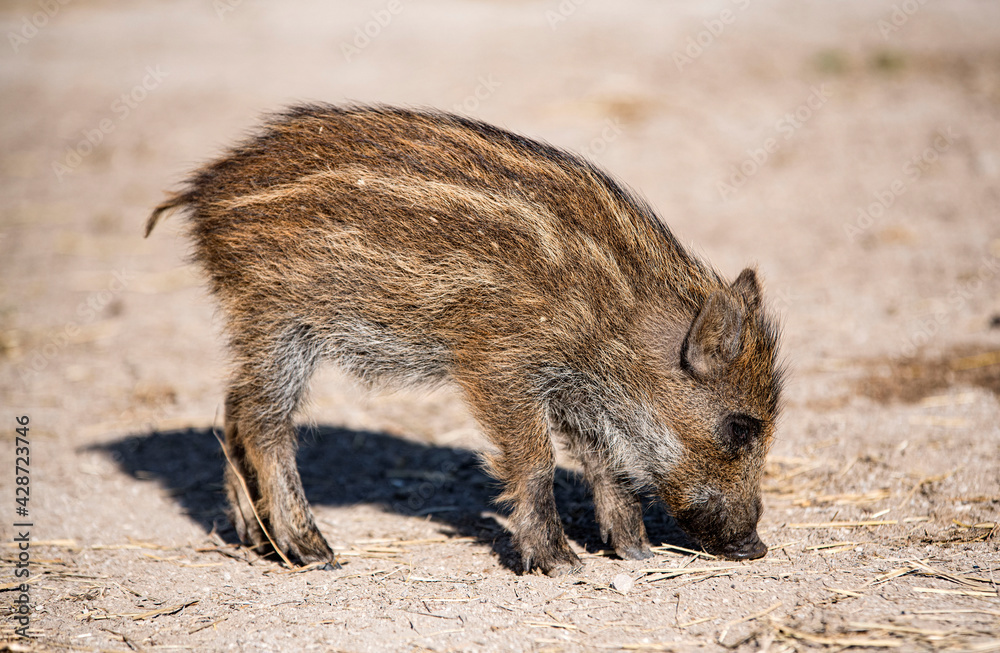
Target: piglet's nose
x,y
749,548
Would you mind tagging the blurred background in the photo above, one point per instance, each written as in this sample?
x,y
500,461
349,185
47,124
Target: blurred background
x,y
850,149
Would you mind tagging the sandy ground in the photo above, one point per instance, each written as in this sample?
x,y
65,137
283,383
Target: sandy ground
x,y
850,149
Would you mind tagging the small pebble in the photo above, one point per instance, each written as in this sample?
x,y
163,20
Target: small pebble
x,y
622,583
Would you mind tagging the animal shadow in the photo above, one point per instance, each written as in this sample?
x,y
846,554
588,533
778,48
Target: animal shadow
x,y
343,467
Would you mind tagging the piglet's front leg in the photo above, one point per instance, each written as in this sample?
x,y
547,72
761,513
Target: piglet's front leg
x,y
525,464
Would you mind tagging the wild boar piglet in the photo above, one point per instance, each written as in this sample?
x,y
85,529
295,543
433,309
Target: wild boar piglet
x,y
418,247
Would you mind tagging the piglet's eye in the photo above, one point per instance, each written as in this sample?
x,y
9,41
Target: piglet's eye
x,y
741,429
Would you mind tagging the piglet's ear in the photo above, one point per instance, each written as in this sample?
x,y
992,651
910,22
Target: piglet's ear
x,y
713,341
747,287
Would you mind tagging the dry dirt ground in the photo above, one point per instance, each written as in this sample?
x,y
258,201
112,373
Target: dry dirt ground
x,y
850,149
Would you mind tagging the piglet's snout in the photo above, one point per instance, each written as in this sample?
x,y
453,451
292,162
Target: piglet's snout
x,y
748,548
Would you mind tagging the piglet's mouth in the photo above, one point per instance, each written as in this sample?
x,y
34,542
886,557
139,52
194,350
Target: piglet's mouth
x,y
749,547
708,528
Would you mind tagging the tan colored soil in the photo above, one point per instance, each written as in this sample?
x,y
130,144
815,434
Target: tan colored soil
x,y
870,146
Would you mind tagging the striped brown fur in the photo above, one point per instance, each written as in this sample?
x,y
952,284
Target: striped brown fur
x,y
421,247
